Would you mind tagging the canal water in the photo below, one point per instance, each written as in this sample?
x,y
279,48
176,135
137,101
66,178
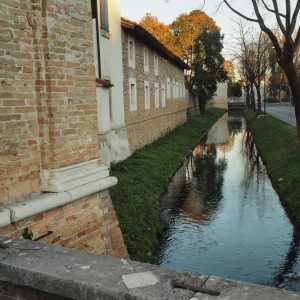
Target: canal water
x,y
222,216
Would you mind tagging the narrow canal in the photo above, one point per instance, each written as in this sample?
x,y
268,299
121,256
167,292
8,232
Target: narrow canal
x,y
222,216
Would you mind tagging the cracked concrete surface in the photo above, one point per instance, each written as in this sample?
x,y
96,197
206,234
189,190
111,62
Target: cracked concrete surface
x,y
78,275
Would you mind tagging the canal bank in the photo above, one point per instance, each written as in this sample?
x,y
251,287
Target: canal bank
x,y
279,147
143,178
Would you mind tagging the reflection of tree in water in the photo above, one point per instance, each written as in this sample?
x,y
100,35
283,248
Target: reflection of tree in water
x,y
235,125
285,277
196,195
256,171
171,208
207,181
254,168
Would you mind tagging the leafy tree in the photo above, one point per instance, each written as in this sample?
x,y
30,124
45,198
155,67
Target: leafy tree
x,y
285,51
234,88
159,30
208,65
186,28
196,39
229,67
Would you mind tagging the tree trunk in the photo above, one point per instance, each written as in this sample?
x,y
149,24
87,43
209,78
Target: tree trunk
x,y
247,90
257,86
252,98
295,89
202,103
294,83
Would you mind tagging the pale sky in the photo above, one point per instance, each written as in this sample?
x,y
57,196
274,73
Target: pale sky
x,y
168,10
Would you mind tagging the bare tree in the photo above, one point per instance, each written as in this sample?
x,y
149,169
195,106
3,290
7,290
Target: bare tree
x,y
287,23
251,52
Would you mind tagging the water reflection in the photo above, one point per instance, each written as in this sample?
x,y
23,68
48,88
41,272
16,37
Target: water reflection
x,y
222,216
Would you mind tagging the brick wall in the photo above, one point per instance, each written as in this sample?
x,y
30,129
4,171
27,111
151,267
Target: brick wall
x,y
146,125
47,95
48,118
89,224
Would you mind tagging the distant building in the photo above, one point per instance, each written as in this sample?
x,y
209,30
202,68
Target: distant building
x,y
109,87
220,99
155,96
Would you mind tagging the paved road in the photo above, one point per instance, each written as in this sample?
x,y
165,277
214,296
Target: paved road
x,y
282,111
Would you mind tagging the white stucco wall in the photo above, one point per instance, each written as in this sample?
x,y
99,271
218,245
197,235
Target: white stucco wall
x,y
113,140
220,99
111,62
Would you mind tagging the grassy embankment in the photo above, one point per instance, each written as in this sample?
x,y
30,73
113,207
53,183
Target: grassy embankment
x,y
280,149
143,179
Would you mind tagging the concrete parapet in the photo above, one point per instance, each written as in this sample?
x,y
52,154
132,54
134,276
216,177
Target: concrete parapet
x,y
30,270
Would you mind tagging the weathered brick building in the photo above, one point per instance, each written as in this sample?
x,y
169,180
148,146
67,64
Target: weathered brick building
x,y
67,111
52,177
155,98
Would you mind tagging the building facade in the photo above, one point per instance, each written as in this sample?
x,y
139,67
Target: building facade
x,y
220,99
53,179
155,97
109,87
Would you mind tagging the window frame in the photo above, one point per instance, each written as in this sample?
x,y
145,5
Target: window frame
x,y
132,96
147,94
146,59
131,52
155,64
168,87
104,18
163,95
156,95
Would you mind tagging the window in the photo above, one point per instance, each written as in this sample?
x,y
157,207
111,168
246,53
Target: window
x,y
156,95
95,22
155,64
131,53
174,88
146,60
180,90
147,94
168,88
132,94
163,95
104,15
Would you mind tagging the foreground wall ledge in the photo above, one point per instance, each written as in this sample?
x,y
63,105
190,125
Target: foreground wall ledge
x,y
66,178
40,203
79,275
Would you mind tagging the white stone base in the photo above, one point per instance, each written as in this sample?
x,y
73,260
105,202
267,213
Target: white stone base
x,y
65,185
63,179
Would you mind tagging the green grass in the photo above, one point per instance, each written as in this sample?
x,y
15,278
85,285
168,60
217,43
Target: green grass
x,y
279,147
143,179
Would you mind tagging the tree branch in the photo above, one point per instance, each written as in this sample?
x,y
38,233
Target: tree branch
x,y
266,29
288,16
295,16
297,39
271,10
283,30
238,13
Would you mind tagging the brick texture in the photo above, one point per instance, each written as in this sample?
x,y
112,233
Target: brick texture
x,y
89,224
48,109
48,118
